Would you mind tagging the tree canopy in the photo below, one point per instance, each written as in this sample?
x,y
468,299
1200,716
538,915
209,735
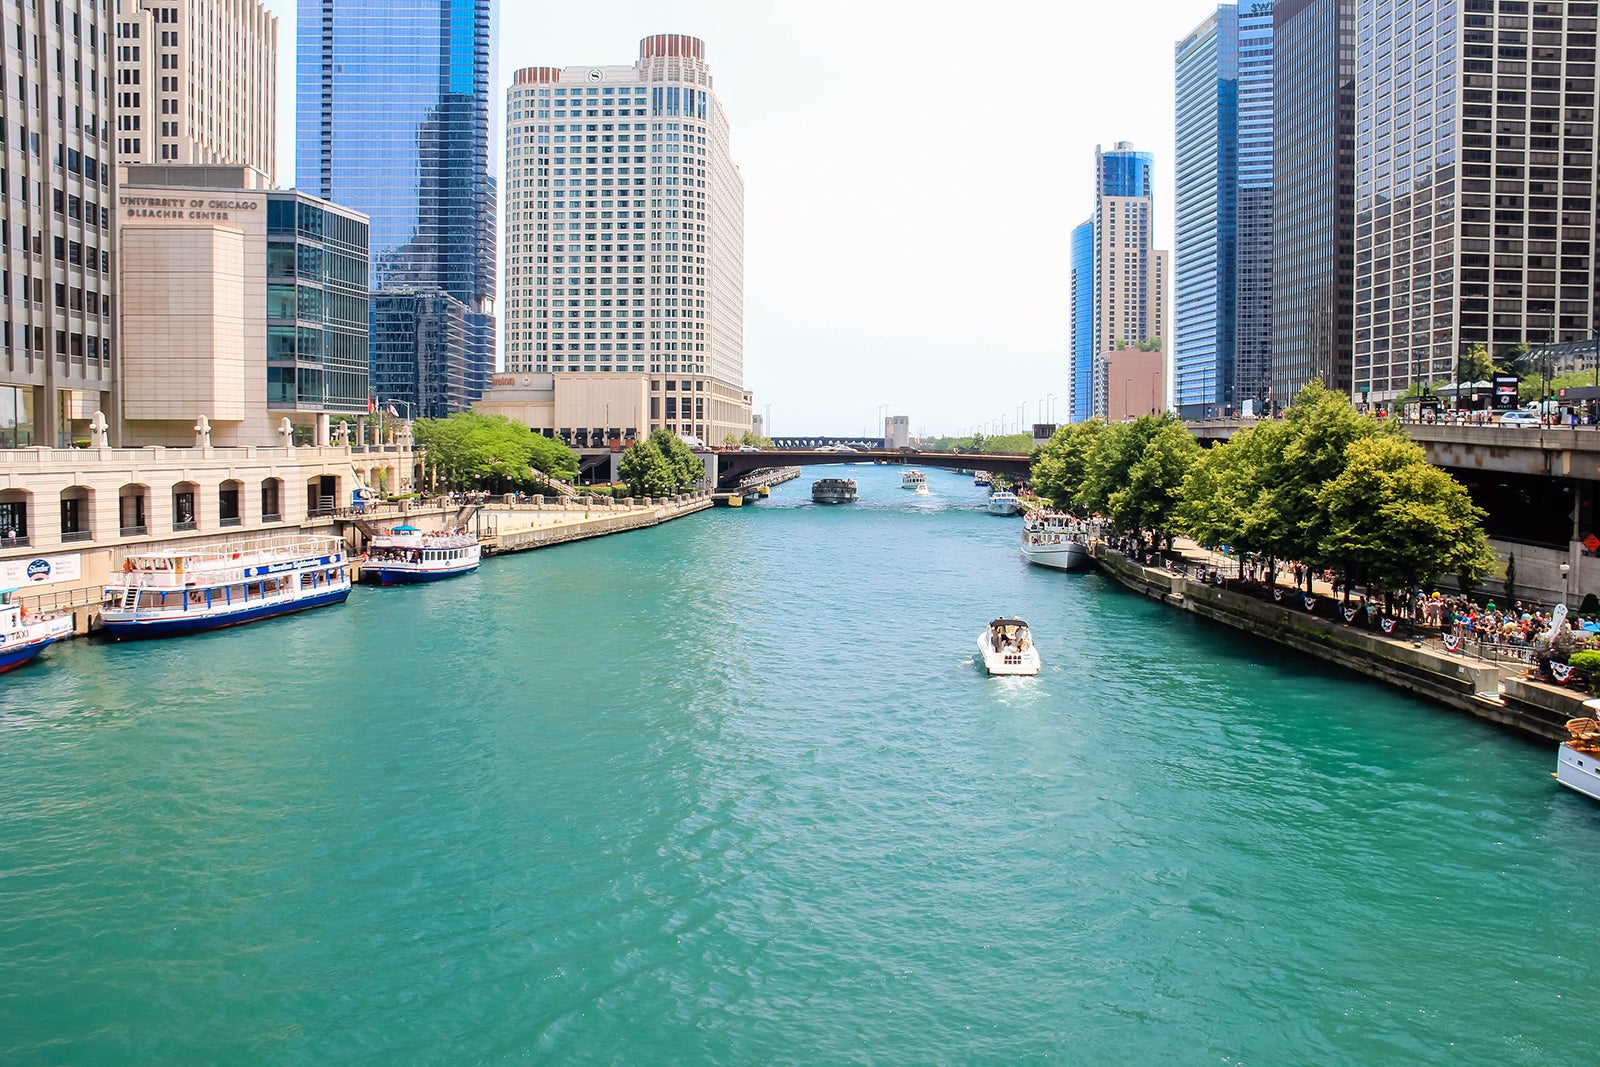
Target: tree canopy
x,y
660,464
468,449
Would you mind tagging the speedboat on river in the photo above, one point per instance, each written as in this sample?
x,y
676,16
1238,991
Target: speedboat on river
x,y
1007,647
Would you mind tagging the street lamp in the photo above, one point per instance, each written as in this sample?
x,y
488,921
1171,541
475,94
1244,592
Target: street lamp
x,y
1565,593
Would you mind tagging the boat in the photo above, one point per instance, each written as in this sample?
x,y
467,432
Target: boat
x,y
407,554
922,490
1007,647
980,477
912,479
1578,759
191,589
833,491
1004,502
24,636
1052,539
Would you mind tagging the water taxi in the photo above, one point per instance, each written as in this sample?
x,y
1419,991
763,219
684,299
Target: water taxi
x,y
408,554
1004,502
23,636
185,590
1007,647
833,491
912,479
1578,759
1052,539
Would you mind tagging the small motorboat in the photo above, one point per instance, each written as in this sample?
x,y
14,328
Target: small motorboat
x,y
1007,647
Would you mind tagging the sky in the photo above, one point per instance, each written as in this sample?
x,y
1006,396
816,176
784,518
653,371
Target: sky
x,y
912,170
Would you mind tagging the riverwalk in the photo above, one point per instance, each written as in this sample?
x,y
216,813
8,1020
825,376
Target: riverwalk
x,y
1192,579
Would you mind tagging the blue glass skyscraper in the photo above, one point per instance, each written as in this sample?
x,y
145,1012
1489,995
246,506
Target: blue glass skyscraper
x,y
1081,407
393,120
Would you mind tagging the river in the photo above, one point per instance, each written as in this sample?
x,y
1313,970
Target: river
x,y
735,790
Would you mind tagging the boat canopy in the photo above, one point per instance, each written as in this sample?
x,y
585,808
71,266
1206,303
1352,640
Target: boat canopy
x,y
1008,622
405,529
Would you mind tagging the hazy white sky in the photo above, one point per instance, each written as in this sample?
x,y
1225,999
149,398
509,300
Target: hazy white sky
x,y
912,174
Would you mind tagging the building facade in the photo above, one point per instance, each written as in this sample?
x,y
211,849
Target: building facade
x,y
1313,190
248,305
197,82
57,235
1253,338
625,234
1475,183
393,120
1129,275
1207,168
1080,387
419,337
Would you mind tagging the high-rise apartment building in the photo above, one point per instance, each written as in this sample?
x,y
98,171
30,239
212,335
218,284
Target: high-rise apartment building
x,y
393,121
57,245
625,235
1475,183
197,83
1313,191
1207,169
1080,384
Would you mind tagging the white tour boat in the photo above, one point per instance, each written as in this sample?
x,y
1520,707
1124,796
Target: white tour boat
x,y
185,590
1004,502
408,554
1008,648
913,479
1578,760
833,491
23,636
1051,539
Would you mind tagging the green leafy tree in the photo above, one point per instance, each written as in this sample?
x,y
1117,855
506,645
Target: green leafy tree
x,y
1393,518
468,449
1155,480
1116,449
1475,364
646,470
686,468
1057,471
1224,496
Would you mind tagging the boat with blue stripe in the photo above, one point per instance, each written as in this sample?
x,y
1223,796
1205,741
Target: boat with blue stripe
x,y
408,554
22,637
186,590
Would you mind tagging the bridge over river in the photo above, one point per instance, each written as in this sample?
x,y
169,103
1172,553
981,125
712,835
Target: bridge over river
x,y
733,466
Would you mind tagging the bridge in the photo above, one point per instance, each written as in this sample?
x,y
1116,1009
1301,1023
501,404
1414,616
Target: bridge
x,y
732,466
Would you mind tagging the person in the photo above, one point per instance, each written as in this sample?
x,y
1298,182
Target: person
x,y
11,535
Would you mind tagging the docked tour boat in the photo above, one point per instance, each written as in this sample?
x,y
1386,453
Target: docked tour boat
x,y
408,554
980,477
1578,760
1008,648
205,587
1051,539
913,479
23,636
833,491
1004,502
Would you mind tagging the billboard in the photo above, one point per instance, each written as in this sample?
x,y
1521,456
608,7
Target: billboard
x,y
28,573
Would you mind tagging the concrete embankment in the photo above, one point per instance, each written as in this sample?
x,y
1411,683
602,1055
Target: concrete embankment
x,y
1477,688
517,531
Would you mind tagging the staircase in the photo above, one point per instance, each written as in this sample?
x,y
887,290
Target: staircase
x,y
562,489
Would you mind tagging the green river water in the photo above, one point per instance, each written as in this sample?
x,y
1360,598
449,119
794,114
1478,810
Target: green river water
x,y
734,790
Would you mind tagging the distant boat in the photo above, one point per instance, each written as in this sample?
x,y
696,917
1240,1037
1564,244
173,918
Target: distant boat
x,y
1004,502
912,479
833,491
407,554
980,477
22,637
1007,647
180,591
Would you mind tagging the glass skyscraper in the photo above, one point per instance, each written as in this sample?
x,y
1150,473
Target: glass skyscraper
x,y
1253,253
393,120
1081,404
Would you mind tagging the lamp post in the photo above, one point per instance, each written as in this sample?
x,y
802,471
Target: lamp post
x,y
1566,594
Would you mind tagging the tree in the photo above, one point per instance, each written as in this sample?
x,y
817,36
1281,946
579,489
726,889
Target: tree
x,y
1224,496
1116,449
1057,471
489,450
1397,520
685,467
1155,481
646,470
1475,364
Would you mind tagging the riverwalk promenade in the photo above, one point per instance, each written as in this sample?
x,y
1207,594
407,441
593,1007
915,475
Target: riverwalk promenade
x,y
1192,579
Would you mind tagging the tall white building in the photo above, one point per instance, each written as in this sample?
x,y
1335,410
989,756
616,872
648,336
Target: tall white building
x,y
625,236
197,83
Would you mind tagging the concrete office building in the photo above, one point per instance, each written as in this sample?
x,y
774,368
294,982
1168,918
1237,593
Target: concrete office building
x,y
1475,183
1313,191
625,238
897,431
197,83
57,238
392,119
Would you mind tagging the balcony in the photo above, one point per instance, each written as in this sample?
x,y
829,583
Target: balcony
x,y
133,531
184,524
234,521
70,536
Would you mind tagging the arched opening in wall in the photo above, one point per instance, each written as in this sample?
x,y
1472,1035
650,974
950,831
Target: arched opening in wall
x,y
230,510
77,514
322,495
14,506
185,498
133,514
272,500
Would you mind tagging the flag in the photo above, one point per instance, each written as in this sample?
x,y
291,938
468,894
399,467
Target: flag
x,y
372,405
393,414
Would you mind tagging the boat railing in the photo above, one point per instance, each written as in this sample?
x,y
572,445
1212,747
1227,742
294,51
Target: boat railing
x,y
206,557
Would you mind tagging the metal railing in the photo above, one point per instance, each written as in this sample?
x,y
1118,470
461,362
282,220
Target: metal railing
x,y
70,536
133,531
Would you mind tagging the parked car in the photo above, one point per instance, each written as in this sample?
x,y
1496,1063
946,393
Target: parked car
x,y
1518,418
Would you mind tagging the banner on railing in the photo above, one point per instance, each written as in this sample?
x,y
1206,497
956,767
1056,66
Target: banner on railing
x,y
1387,624
1451,642
1350,614
1277,594
1311,603
39,571
1561,672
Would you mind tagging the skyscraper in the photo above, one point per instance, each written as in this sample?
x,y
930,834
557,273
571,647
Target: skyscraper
x,y
625,235
197,82
1313,190
393,120
1253,254
1080,405
1207,169
56,225
1474,183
